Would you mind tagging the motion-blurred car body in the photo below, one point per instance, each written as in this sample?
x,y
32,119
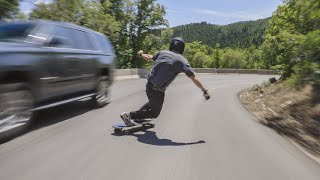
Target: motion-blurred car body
x,y
45,64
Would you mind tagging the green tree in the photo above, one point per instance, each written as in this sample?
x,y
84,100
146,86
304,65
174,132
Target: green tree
x,y
292,40
60,10
193,48
43,11
20,15
122,10
147,16
200,60
209,62
95,18
128,23
233,59
156,41
255,59
236,35
87,13
8,8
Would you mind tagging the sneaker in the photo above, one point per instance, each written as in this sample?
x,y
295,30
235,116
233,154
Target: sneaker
x,y
127,119
140,121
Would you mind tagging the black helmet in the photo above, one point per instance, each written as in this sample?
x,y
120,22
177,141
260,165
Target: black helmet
x,y
177,45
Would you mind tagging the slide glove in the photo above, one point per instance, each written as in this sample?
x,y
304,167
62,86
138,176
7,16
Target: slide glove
x,y
206,95
140,53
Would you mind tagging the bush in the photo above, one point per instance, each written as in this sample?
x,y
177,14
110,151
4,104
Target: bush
x,y
265,84
199,60
255,88
233,59
273,80
305,73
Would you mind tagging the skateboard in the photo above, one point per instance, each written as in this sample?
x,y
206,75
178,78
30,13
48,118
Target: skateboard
x,y
122,128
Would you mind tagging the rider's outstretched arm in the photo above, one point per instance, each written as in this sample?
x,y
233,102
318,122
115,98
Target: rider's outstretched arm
x,y
147,57
197,82
199,85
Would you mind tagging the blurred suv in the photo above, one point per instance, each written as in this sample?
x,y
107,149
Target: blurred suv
x,y
45,64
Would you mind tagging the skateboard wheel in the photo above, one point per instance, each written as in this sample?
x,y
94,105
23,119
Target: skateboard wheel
x,y
126,132
117,131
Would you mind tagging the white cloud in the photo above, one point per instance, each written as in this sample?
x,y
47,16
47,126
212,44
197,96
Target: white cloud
x,y
27,12
37,1
41,1
27,6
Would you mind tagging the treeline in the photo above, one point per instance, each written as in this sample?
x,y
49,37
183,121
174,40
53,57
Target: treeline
x,y
290,43
203,56
129,24
9,10
236,35
135,25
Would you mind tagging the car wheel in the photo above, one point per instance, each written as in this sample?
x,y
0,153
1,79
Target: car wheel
x,y
16,103
102,97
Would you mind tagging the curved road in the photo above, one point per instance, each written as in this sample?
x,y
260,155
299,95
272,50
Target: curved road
x,y
193,139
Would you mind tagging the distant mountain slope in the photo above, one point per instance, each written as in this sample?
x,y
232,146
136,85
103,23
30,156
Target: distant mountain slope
x,y
240,34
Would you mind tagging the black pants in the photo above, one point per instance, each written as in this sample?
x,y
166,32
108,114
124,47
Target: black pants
x,y
152,108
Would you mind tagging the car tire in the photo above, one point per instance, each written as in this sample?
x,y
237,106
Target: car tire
x,y
16,103
102,96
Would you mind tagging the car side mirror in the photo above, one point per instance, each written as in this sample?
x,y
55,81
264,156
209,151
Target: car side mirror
x,y
57,42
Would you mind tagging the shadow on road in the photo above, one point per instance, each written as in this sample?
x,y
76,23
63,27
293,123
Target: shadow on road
x,y
52,116
151,138
61,113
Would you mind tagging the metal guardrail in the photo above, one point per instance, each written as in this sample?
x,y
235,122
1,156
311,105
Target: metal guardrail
x,y
144,72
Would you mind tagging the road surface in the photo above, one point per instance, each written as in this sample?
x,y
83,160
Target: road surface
x,y
193,140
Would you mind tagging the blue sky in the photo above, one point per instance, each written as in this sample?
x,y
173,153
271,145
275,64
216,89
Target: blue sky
x,y
27,5
217,11
212,11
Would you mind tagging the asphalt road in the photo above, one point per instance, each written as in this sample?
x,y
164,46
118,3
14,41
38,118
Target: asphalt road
x,y
193,140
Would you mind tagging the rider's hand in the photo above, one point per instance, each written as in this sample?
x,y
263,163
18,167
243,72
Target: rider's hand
x,y
140,52
206,94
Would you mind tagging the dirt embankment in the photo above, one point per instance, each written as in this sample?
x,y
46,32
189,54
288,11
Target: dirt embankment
x,y
292,113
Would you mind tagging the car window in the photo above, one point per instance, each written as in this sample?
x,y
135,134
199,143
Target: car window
x,y
40,34
71,38
104,43
61,38
81,40
15,32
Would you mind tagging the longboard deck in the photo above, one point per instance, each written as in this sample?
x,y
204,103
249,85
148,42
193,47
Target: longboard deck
x,y
123,125
122,128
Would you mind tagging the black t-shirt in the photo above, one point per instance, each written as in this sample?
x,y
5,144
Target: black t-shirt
x,y
167,65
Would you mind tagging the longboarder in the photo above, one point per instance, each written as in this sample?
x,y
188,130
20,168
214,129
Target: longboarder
x,y
167,65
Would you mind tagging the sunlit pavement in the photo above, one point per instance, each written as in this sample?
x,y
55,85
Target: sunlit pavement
x,y
193,139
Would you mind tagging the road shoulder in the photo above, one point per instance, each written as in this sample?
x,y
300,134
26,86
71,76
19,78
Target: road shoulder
x,y
287,112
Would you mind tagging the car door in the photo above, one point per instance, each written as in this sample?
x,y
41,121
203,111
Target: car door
x,y
107,58
87,57
67,59
44,61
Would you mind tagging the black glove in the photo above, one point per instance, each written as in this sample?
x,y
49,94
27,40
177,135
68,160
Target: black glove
x,y
206,94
